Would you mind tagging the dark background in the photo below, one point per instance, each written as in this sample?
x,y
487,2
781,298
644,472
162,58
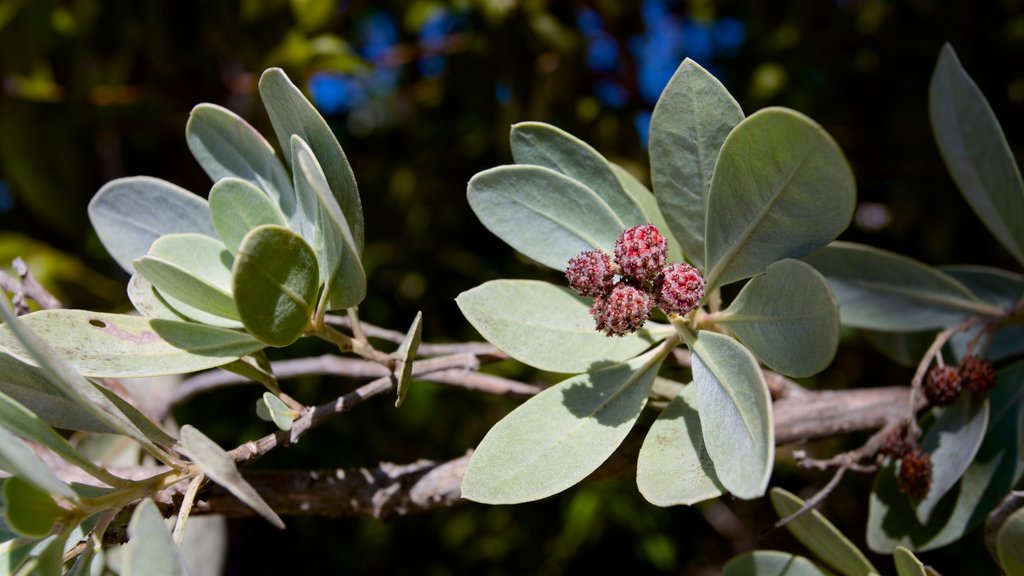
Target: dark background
x,y
421,95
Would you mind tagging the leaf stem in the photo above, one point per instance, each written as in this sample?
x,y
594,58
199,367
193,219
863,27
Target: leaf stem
x,y
186,508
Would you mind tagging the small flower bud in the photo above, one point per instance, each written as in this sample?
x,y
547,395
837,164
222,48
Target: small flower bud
x,y
622,311
942,385
679,288
978,374
640,252
915,476
591,273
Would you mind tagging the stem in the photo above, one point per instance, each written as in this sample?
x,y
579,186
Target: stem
x,y
357,328
934,351
346,343
141,489
186,508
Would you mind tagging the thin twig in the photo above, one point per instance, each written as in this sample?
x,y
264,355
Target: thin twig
x,y
934,351
818,496
426,348
488,383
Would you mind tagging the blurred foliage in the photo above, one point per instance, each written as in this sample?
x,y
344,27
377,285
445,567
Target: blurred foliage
x,y
421,94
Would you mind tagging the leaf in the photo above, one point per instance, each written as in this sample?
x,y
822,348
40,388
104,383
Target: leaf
x,y
907,564
50,559
953,441
690,123
543,214
17,459
226,146
29,510
543,325
28,386
130,213
341,270
13,554
558,437
404,357
290,113
1008,544
150,548
781,189
237,207
976,153
153,304
645,198
788,318
539,144
733,400
121,346
192,268
771,563
218,465
674,466
275,284
819,535
277,411
880,290
996,468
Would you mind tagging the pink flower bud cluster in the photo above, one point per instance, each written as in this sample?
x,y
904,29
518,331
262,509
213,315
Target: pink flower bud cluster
x,y
644,281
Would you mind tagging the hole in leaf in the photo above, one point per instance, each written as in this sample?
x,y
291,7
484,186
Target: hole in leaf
x,y
98,323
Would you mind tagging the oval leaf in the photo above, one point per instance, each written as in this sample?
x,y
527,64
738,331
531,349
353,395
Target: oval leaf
x,y
953,441
880,290
226,146
976,152
781,189
275,284
771,563
28,510
544,325
291,113
788,318
277,412
544,145
736,412
821,537
690,122
542,213
237,207
1008,543
674,466
150,548
558,437
153,304
130,213
192,268
218,465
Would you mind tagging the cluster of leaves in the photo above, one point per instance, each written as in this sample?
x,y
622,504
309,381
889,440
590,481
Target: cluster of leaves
x,y
215,283
744,197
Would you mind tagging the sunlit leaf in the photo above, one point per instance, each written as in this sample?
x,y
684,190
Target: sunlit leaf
x,y
781,189
1008,544
218,465
690,122
544,145
150,548
652,213
906,563
404,357
237,207
192,268
558,437
291,113
275,284
821,537
953,440
275,410
735,409
788,318
152,304
771,563
976,152
130,213
880,290
226,146
673,466
542,213
544,325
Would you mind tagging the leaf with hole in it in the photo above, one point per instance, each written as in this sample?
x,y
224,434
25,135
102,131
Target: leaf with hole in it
x,y
952,440
150,548
192,268
691,121
291,113
907,564
276,283
788,318
652,213
130,213
226,146
28,509
341,269
275,410
771,563
996,468
880,290
558,437
219,467
542,213
28,386
237,207
732,396
17,459
976,152
544,325
673,466
539,144
781,189
1008,543
821,537
404,357
122,346
153,304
